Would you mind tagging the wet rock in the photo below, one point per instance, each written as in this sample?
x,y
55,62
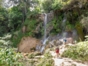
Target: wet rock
x,y
50,16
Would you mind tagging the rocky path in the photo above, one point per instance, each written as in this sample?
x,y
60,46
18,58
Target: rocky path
x,y
65,61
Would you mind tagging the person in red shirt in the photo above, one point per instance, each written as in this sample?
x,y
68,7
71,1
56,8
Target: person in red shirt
x,y
57,52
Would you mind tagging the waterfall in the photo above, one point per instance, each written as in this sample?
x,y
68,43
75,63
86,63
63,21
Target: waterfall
x,y
45,39
64,22
64,26
45,29
65,34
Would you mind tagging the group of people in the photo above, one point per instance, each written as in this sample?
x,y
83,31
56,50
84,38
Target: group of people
x,y
68,39
57,50
65,41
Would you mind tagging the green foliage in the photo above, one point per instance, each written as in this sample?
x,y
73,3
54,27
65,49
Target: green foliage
x,y
31,56
78,52
31,25
56,23
52,5
5,41
16,38
69,26
57,5
80,31
3,21
46,60
47,3
8,57
15,18
47,55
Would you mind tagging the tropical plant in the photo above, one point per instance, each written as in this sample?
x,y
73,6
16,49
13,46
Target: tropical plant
x,y
78,52
56,23
16,38
54,4
46,61
15,18
3,21
69,27
8,57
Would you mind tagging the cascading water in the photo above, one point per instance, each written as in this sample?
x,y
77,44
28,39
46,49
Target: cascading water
x,y
45,27
64,22
65,34
64,26
45,39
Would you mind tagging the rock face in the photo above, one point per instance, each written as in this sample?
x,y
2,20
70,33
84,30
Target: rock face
x,y
28,44
50,16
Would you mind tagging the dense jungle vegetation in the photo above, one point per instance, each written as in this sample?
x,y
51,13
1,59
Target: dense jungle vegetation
x,y
19,18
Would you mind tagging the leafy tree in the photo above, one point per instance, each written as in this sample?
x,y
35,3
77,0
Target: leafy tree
x,y
52,5
15,18
3,20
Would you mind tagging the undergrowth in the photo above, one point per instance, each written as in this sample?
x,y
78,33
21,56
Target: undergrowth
x,y
46,60
77,52
8,57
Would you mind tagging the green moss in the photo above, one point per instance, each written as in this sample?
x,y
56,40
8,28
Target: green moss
x,y
80,31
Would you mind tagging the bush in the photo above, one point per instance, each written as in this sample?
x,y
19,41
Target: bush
x,y
8,57
3,21
46,60
56,24
16,38
79,51
31,56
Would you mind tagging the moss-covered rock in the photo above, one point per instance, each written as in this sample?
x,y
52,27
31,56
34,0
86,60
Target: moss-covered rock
x,y
80,31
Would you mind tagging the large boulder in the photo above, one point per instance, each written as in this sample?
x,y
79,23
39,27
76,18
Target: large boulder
x,y
28,44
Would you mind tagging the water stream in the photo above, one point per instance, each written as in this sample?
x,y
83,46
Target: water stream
x,y
64,33
45,29
45,39
64,22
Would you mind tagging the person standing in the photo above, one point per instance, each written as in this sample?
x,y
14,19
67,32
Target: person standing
x,y
57,52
